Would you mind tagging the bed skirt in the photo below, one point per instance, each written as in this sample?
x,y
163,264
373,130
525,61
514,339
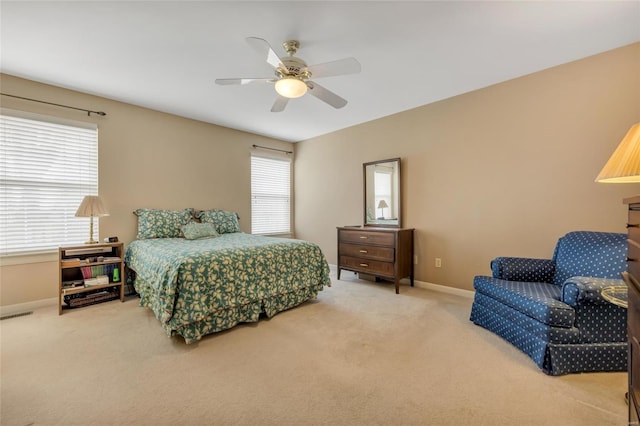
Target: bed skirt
x,y
228,317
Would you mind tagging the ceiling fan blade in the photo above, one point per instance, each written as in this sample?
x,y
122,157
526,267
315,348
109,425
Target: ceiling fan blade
x,y
339,67
279,104
325,95
227,81
263,47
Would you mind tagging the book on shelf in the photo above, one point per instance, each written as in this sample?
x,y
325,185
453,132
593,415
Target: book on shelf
x,y
98,280
71,262
72,283
89,272
71,290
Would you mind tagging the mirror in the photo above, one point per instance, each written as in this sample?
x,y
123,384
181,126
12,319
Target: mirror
x,y
382,193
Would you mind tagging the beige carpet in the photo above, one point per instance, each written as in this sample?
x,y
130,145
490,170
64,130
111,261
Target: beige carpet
x,y
358,355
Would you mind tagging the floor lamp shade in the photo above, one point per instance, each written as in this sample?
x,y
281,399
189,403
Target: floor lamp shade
x,y
624,164
91,207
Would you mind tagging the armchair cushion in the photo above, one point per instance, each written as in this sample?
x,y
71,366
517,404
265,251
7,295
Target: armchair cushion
x,y
519,325
523,269
540,301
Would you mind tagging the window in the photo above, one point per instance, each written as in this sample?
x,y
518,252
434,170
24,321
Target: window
x,y
47,166
382,183
270,195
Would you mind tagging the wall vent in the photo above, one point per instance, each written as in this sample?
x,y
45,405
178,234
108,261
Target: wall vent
x,y
21,314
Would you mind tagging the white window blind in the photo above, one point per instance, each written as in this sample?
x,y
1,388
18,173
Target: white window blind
x,y
270,195
46,168
382,183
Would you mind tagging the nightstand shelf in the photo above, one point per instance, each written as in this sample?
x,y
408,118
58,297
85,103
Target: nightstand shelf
x,y
81,264
76,290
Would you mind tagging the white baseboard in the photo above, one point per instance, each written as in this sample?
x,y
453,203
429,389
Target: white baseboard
x,y
21,308
444,289
30,306
426,285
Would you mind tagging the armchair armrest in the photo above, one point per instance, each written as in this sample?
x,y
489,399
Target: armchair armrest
x,y
579,290
523,269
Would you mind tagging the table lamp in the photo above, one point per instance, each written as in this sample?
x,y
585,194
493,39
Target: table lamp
x,y
624,164
91,207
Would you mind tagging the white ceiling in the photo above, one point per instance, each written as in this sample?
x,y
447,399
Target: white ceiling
x,y
166,55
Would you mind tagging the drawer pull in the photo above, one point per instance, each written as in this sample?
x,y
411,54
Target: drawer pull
x,y
632,225
364,264
363,237
630,259
364,251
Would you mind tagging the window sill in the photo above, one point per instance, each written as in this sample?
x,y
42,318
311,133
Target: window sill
x,y
287,235
23,259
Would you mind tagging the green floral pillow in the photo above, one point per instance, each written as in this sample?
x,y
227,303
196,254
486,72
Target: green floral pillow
x,y
198,231
225,222
155,223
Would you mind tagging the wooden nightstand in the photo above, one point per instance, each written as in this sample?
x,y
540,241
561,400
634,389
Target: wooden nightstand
x,y
90,274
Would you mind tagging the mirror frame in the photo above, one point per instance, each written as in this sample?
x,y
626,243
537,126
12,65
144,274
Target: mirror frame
x,y
399,192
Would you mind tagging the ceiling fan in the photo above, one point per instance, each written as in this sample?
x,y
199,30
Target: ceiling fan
x,y
292,75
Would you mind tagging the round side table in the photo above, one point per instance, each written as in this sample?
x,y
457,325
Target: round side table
x,y
617,295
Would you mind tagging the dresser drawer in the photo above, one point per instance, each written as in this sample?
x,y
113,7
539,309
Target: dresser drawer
x,y
633,223
634,371
368,266
634,234
385,254
634,214
633,316
633,259
366,237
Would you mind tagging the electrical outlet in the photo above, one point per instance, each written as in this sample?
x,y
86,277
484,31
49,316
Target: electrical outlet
x,y
438,262
415,259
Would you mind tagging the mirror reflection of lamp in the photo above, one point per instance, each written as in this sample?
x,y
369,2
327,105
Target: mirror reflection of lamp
x,y
382,205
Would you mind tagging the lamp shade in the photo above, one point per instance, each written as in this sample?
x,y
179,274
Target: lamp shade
x,y
91,206
624,164
382,204
291,87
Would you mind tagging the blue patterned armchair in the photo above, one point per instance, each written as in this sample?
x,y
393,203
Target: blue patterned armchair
x,y
552,309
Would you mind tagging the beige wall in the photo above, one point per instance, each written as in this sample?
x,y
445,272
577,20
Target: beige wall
x,y
146,159
504,170
501,171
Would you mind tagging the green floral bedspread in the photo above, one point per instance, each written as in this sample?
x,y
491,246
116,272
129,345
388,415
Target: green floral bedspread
x,y
196,287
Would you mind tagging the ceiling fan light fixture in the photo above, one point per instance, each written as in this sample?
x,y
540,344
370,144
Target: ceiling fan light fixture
x,y
291,87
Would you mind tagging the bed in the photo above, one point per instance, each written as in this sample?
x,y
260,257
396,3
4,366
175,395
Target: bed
x,y
197,287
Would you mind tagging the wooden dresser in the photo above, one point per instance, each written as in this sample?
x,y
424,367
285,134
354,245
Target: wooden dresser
x,y
380,252
633,312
